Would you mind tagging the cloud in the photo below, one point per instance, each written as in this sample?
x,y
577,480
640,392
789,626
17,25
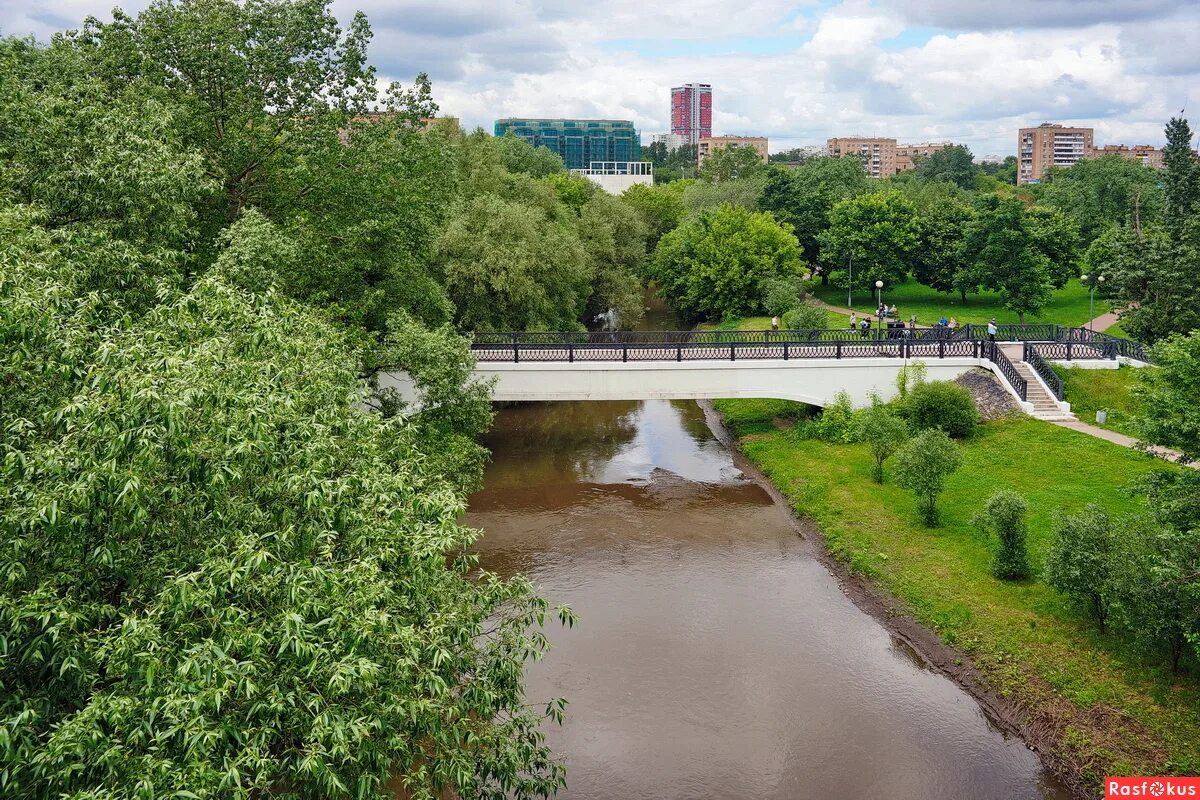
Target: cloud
x,y
967,15
796,72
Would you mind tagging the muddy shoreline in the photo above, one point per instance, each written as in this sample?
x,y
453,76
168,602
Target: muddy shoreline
x,y
1006,714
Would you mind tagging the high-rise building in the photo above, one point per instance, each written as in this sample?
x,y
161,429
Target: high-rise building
x,y
578,142
1050,145
878,155
709,143
691,111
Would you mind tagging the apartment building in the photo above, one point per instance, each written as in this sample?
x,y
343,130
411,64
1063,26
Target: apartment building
x,y
878,155
1050,145
691,111
907,154
710,143
1147,154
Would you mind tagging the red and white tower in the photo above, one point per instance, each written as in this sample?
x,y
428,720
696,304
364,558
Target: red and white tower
x,y
691,111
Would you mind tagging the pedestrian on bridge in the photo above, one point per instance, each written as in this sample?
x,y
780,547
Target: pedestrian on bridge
x,y
991,329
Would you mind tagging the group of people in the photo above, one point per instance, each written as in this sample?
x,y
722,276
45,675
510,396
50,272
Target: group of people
x,y
884,311
951,323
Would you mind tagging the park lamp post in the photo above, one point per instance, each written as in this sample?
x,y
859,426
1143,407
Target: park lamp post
x,y
1091,297
879,300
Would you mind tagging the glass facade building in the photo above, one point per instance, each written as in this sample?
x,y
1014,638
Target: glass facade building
x,y
578,141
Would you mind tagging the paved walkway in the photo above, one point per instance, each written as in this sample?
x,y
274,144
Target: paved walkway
x,y
1103,322
1117,438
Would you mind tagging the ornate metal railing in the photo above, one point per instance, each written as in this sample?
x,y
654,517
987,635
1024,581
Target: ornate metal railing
x,y
1043,369
993,352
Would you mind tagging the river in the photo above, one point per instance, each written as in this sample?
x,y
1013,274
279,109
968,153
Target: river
x,y
716,656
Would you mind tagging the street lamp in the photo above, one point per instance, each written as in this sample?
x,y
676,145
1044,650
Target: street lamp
x,y
1092,298
879,300
850,285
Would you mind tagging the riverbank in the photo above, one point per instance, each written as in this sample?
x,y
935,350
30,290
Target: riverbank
x,y
1087,703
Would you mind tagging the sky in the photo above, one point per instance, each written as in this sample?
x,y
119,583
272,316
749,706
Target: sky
x,y
796,72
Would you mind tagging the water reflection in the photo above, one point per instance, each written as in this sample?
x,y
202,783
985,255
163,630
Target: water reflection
x,y
715,658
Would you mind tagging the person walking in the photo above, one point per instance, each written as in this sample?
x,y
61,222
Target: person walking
x,y
775,323
853,321
991,329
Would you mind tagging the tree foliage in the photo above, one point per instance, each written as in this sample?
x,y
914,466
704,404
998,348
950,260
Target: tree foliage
x,y
222,576
713,267
1170,396
923,465
878,232
803,198
1003,254
884,432
730,163
1085,560
1003,516
1102,193
954,164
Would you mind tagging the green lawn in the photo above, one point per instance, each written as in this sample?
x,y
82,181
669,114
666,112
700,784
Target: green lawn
x,y
763,323
1092,390
1068,306
1113,711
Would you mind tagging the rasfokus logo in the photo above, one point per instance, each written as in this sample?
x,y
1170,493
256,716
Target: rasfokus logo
x,y
1151,787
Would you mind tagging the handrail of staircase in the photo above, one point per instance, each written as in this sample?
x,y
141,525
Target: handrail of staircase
x,y
992,352
1043,369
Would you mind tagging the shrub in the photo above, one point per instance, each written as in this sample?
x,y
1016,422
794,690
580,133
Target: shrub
x,y
1004,517
1083,560
806,316
837,424
922,466
884,433
944,405
781,294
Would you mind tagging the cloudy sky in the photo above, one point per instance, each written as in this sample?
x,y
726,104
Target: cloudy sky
x,y
798,72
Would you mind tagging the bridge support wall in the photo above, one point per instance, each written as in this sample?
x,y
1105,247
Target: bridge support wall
x,y
813,381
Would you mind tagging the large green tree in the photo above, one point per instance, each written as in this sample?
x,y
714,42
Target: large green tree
x,y
803,198
938,255
222,575
954,164
713,267
510,266
1001,252
1100,193
877,232
1181,174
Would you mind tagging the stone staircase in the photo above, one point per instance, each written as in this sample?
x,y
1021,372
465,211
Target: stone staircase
x,y
1044,404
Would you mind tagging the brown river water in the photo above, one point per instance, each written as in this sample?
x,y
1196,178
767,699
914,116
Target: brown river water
x,y
716,657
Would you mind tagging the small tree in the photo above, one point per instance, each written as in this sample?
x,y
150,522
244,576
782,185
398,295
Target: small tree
x,y
884,433
923,465
1004,517
1083,560
910,376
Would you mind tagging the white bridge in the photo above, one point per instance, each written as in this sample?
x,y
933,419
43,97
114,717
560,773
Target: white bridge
x,y
807,366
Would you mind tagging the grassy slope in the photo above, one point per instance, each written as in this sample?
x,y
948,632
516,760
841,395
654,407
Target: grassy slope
x,y
1068,306
1110,711
1090,390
